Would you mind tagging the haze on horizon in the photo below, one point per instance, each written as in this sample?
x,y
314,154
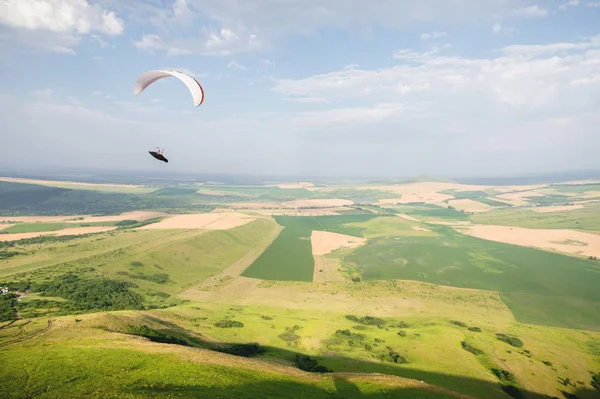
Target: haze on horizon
x,y
459,87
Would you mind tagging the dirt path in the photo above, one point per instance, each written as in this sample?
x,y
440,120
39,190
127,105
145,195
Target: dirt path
x,y
23,336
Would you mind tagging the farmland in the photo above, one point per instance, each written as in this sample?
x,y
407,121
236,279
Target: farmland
x,y
289,257
368,291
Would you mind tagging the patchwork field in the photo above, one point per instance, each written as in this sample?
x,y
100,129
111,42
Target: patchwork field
x,y
207,221
289,257
416,289
566,241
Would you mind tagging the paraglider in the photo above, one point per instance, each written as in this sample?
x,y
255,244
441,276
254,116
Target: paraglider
x,y
149,77
158,154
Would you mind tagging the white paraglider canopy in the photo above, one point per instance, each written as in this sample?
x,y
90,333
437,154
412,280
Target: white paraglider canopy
x,y
149,77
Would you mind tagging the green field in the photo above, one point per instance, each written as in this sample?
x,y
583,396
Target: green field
x,y
479,196
40,227
431,212
551,289
587,218
289,257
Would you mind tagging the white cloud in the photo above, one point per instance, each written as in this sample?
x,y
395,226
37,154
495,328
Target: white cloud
x,y
350,116
222,43
309,100
499,29
256,24
64,16
42,94
571,3
533,11
103,43
470,94
55,25
553,48
432,35
592,4
235,65
415,56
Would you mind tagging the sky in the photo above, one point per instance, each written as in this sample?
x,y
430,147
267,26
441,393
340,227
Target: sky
x,y
303,87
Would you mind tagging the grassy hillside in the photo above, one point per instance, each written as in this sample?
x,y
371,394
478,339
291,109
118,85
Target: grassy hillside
x,y
96,366
165,313
156,264
32,199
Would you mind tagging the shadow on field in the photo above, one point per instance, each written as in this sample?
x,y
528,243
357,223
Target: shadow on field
x,y
345,383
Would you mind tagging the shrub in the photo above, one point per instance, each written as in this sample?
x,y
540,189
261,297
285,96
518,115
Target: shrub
x,y
468,347
474,329
503,375
513,391
403,325
401,333
513,341
458,323
307,363
126,222
372,321
368,347
266,317
547,363
244,350
596,381
352,317
349,334
290,334
155,336
135,263
394,357
229,324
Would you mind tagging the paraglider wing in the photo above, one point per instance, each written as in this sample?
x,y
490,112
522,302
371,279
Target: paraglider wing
x,y
149,77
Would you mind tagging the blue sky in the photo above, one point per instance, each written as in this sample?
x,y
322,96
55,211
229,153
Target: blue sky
x,y
338,87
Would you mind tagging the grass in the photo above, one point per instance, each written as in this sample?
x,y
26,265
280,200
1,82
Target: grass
x,y
88,350
587,218
390,227
432,213
289,257
41,227
479,196
106,188
93,355
539,287
30,199
145,258
97,372
176,191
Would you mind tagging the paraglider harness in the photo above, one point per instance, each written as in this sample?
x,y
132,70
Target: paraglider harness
x,y
158,155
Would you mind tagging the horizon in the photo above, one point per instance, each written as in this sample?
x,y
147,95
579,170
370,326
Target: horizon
x,y
396,89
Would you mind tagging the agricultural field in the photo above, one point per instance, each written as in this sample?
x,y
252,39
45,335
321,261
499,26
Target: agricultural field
x,y
414,289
